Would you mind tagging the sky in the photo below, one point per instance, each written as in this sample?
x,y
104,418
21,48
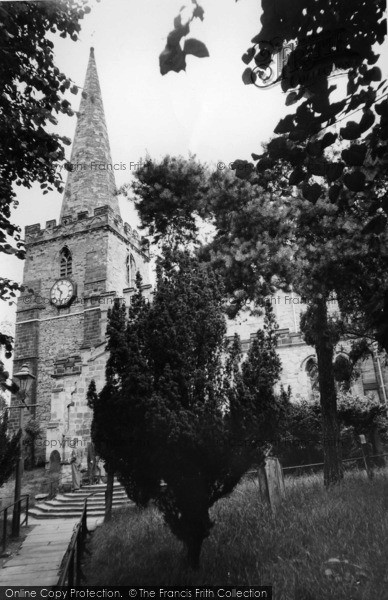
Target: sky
x,y
207,110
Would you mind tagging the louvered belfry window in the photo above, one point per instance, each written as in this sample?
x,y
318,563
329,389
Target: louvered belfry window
x,y
66,262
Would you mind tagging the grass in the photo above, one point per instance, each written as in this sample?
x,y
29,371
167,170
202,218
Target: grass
x,y
34,482
347,526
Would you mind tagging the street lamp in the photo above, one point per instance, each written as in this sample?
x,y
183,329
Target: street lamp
x,y
24,381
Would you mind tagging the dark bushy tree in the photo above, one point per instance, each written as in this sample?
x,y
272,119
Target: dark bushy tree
x,y
178,408
9,448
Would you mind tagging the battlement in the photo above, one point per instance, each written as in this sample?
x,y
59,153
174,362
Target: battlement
x,y
103,216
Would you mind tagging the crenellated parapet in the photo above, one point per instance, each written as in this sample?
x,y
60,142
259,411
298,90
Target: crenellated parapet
x,y
103,216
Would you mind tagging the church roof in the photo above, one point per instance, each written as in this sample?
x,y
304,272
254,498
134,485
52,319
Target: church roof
x,y
91,183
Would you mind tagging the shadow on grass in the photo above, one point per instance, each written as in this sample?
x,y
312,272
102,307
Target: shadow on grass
x,y
322,544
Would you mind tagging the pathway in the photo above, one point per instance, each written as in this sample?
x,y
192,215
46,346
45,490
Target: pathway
x,y
39,559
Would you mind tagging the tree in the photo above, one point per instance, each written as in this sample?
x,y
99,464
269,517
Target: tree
x,y
33,91
9,448
345,199
187,419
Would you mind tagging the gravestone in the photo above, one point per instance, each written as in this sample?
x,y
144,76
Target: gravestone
x,y
271,482
55,462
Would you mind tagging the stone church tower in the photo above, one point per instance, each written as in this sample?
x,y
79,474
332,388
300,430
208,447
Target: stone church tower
x,y
75,268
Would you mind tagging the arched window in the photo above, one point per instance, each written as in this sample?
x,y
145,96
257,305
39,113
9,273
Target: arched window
x,y
66,264
131,270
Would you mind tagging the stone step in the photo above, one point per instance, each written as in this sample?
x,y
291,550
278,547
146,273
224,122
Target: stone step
x,y
78,504
69,513
83,495
70,505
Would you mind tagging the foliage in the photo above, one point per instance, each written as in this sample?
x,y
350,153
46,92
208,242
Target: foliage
x,y
301,441
33,91
173,57
178,404
9,448
341,208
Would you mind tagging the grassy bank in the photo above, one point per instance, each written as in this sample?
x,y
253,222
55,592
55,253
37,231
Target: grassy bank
x,y
248,546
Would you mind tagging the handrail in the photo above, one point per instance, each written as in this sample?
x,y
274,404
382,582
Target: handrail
x,y
4,510
72,564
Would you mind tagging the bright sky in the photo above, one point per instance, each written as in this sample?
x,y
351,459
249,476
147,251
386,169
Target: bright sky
x,y
207,110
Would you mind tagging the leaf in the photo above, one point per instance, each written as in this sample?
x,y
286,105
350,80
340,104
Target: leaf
x,y
74,89
355,155
196,48
311,192
256,156
248,76
376,225
373,74
285,125
314,148
199,12
292,98
277,148
355,181
248,56
264,164
368,118
334,170
316,167
382,108
172,59
334,192
351,131
328,139
297,176
242,168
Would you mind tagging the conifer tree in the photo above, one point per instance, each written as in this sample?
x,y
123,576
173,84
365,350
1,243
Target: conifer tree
x,y
188,419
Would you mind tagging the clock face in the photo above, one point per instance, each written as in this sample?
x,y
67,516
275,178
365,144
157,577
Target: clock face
x,y
62,292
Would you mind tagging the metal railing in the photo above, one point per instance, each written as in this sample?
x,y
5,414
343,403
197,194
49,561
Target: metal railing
x,y
24,498
72,574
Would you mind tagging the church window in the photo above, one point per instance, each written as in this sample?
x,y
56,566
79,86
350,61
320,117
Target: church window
x,y
66,264
131,270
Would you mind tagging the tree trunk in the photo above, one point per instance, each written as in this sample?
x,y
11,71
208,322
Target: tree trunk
x,y
333,472
194,547
109,495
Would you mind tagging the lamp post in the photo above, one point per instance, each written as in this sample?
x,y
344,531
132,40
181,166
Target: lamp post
x,y
24,381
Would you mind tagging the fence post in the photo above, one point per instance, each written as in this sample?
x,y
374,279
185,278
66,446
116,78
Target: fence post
x,y
70,576
275,481
5,524
366,456
27,508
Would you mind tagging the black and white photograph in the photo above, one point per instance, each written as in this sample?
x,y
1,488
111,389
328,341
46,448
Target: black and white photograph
x,y
194,299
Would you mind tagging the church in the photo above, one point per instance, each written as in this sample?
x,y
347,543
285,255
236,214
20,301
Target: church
x,y
74,270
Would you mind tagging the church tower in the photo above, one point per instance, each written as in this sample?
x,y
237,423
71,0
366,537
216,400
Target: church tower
x,y
75,268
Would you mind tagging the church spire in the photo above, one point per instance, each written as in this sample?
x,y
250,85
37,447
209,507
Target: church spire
x,y
91,182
